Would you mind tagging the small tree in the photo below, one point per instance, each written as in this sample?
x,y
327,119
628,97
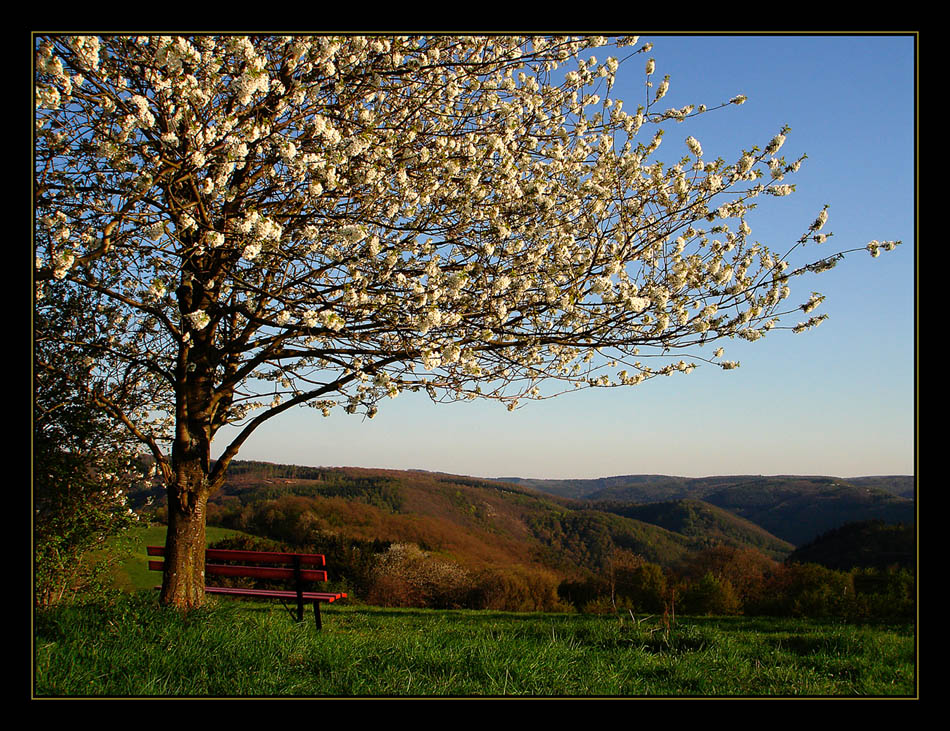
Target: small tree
x,y
746,569
647,588
807,590
711,595
517,588
83,464
280,221
622,567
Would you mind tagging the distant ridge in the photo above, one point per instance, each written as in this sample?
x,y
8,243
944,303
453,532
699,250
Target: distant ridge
x,y
794,508
672,486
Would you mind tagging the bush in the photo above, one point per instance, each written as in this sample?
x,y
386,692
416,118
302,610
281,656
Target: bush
x,y
745,569
583,592
407,576
644,588
711,595
245,542
289,518
884,593
628,583
603,604
76,512
517,589
806,590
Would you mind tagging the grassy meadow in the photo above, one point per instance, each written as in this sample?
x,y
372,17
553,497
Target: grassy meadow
x,y
131,648
127,646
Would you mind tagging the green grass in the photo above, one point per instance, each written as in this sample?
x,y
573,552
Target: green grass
x,y
132,647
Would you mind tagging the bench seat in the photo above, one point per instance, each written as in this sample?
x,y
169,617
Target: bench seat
x,y
320,596
282,566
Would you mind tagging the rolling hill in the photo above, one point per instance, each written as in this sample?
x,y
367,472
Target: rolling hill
x,y
474,522
865,544
569,527
800,509
703,523
795,509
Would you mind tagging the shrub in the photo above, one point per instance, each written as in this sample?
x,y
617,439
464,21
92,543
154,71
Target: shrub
x,y
806,590
884,593
245,542
711,595
581,592
603,604
76,512
517,589
407,576
643,588
746,570
83,461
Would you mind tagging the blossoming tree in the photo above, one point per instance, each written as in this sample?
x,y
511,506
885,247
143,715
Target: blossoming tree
x,y
270,222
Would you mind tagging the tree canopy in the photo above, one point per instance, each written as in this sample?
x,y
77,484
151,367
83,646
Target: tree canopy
x,y
273,221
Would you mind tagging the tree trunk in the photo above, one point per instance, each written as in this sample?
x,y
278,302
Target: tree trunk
x,y
183,582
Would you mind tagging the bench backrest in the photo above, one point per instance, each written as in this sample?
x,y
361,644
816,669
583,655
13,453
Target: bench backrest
x,y
289,565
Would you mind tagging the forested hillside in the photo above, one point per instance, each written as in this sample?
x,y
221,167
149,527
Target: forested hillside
x,y
795,509
867,544
486,520
476,522
704,523
415,538
799,510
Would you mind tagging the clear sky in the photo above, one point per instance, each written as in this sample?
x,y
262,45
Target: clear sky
x,y
837,400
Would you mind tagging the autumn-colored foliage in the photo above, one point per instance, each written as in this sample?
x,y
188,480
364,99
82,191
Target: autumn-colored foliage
x,y
431,540
406,576
517,589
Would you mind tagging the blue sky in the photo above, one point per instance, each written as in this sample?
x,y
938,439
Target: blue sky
x,y
837,400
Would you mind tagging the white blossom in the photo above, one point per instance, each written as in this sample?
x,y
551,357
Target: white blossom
x,y
198,319
820,221
64,262
251,251
775,145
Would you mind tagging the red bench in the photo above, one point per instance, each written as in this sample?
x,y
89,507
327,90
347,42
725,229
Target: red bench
x,y
290,567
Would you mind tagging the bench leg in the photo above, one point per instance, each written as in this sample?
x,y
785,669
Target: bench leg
x,y
316,614
298,581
